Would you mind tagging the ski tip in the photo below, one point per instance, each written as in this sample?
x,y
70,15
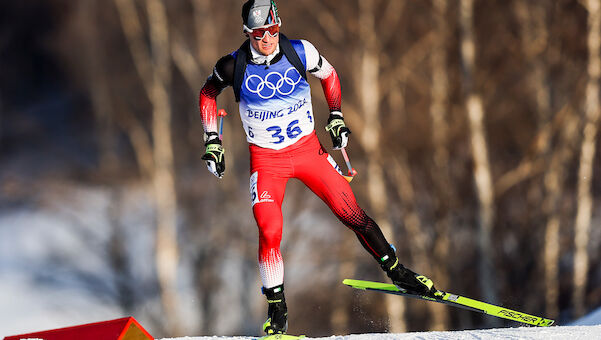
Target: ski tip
x,y
546,323
372,285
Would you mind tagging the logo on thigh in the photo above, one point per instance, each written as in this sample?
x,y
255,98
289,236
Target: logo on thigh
x,y
254,193
334,164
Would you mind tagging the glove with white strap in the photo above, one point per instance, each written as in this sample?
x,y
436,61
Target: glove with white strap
x,y
214,154
338,130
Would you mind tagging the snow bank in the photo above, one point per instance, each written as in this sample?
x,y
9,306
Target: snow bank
x,y
593,318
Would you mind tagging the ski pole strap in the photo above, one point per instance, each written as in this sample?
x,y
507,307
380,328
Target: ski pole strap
x,y
209,136
335,125
216,150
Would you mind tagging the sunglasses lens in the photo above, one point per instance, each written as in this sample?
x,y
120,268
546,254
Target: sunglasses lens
x,y
259,33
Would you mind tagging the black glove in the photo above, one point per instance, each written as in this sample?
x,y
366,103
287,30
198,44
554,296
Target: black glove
x,y
214,155
338,131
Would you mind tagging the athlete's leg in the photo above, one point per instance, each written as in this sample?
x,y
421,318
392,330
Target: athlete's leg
x,y
317,173
269,174
267,193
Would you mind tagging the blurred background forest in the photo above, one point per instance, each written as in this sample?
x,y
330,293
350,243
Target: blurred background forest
x,y
474,134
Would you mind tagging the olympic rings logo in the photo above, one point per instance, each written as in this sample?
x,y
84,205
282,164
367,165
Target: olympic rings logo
x,y
273,83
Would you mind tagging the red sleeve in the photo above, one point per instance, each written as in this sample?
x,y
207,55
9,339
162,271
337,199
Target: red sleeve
x,y
208,107
332,91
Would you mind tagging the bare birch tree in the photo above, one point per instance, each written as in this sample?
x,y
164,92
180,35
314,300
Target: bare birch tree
x,y
554,186
102,106
98,85
402,175
479,147
369,89
440,171
532,18
154,68
587,153
206,33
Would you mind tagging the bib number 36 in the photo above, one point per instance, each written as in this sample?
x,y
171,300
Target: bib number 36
x,y
292,131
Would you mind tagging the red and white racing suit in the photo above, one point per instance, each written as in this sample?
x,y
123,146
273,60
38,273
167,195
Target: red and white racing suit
x,y
277,115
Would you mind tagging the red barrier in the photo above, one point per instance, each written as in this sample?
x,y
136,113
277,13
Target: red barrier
x,y
119,329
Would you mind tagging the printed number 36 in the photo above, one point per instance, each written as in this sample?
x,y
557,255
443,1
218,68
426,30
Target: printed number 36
x,y
292,131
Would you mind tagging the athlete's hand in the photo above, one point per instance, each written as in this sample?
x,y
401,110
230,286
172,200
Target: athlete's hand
x,y
214,156
338,130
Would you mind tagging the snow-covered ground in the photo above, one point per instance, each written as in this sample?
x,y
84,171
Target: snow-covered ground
x,y
526,333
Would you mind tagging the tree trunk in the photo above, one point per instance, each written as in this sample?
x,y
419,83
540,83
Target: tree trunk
x,y
553,181
419,243
98,86
206,33
155,71
370,104
418,239
164,177
587,153
440,171
532,18
339,319
479,148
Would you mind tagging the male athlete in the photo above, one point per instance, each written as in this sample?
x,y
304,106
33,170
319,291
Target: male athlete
x,y
268,75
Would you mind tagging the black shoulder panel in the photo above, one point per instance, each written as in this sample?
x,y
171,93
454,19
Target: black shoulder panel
x,y
240,67
223,73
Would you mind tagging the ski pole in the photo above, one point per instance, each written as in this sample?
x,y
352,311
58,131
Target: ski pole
x,y
351,171
221,113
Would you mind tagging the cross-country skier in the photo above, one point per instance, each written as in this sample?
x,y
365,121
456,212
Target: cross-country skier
x,y
268,75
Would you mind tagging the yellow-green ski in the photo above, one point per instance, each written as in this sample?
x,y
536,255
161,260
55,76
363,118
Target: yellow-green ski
x,y
281,337
454,300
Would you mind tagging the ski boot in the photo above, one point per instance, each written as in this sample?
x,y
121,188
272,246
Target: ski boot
x,y
277,314
408,280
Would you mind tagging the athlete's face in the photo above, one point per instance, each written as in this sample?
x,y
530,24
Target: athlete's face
x,y
267,45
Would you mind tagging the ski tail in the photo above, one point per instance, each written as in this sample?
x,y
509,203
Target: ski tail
x,y
281,337
456,301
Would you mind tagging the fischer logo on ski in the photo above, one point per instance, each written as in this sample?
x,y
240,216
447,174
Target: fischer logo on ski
x,y
518,315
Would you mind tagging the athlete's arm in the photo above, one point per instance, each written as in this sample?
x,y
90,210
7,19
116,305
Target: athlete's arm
x,y
318,66
222,77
